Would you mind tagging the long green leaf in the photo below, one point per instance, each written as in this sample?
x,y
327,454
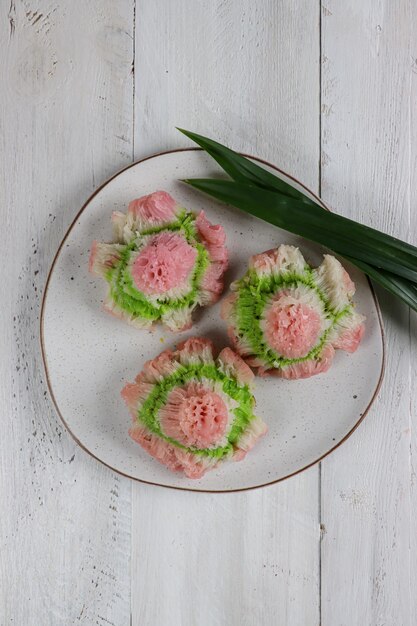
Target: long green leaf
x,y
400,287
247,172
242,169
338,233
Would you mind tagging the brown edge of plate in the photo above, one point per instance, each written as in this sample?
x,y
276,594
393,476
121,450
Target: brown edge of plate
x,y
147,482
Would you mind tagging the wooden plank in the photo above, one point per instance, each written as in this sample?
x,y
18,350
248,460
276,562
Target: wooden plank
x,y
247,73
205,559
66,124
368,157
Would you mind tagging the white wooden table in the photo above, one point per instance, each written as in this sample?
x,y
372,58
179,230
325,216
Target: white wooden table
x,y
328,93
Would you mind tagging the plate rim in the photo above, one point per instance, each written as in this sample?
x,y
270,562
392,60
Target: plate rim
x,y
179,488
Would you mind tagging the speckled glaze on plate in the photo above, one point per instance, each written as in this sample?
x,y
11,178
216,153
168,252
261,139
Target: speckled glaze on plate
x,y
89,355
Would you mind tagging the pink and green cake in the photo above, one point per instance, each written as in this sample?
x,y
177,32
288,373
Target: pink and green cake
x,y
165,262
286,318
192,411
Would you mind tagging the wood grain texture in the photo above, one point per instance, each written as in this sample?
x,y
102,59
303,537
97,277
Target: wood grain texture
x,y
66,124
368,172
208,559
247,73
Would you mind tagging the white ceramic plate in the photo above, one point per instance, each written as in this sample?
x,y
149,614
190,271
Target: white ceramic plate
x,y
89,355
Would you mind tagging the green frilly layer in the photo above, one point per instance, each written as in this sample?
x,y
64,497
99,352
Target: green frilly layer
x,y
243,413
124,292
253,294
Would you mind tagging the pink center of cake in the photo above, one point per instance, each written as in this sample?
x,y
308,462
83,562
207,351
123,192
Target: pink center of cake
x,y
292,329
194,416
203,419
163,264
